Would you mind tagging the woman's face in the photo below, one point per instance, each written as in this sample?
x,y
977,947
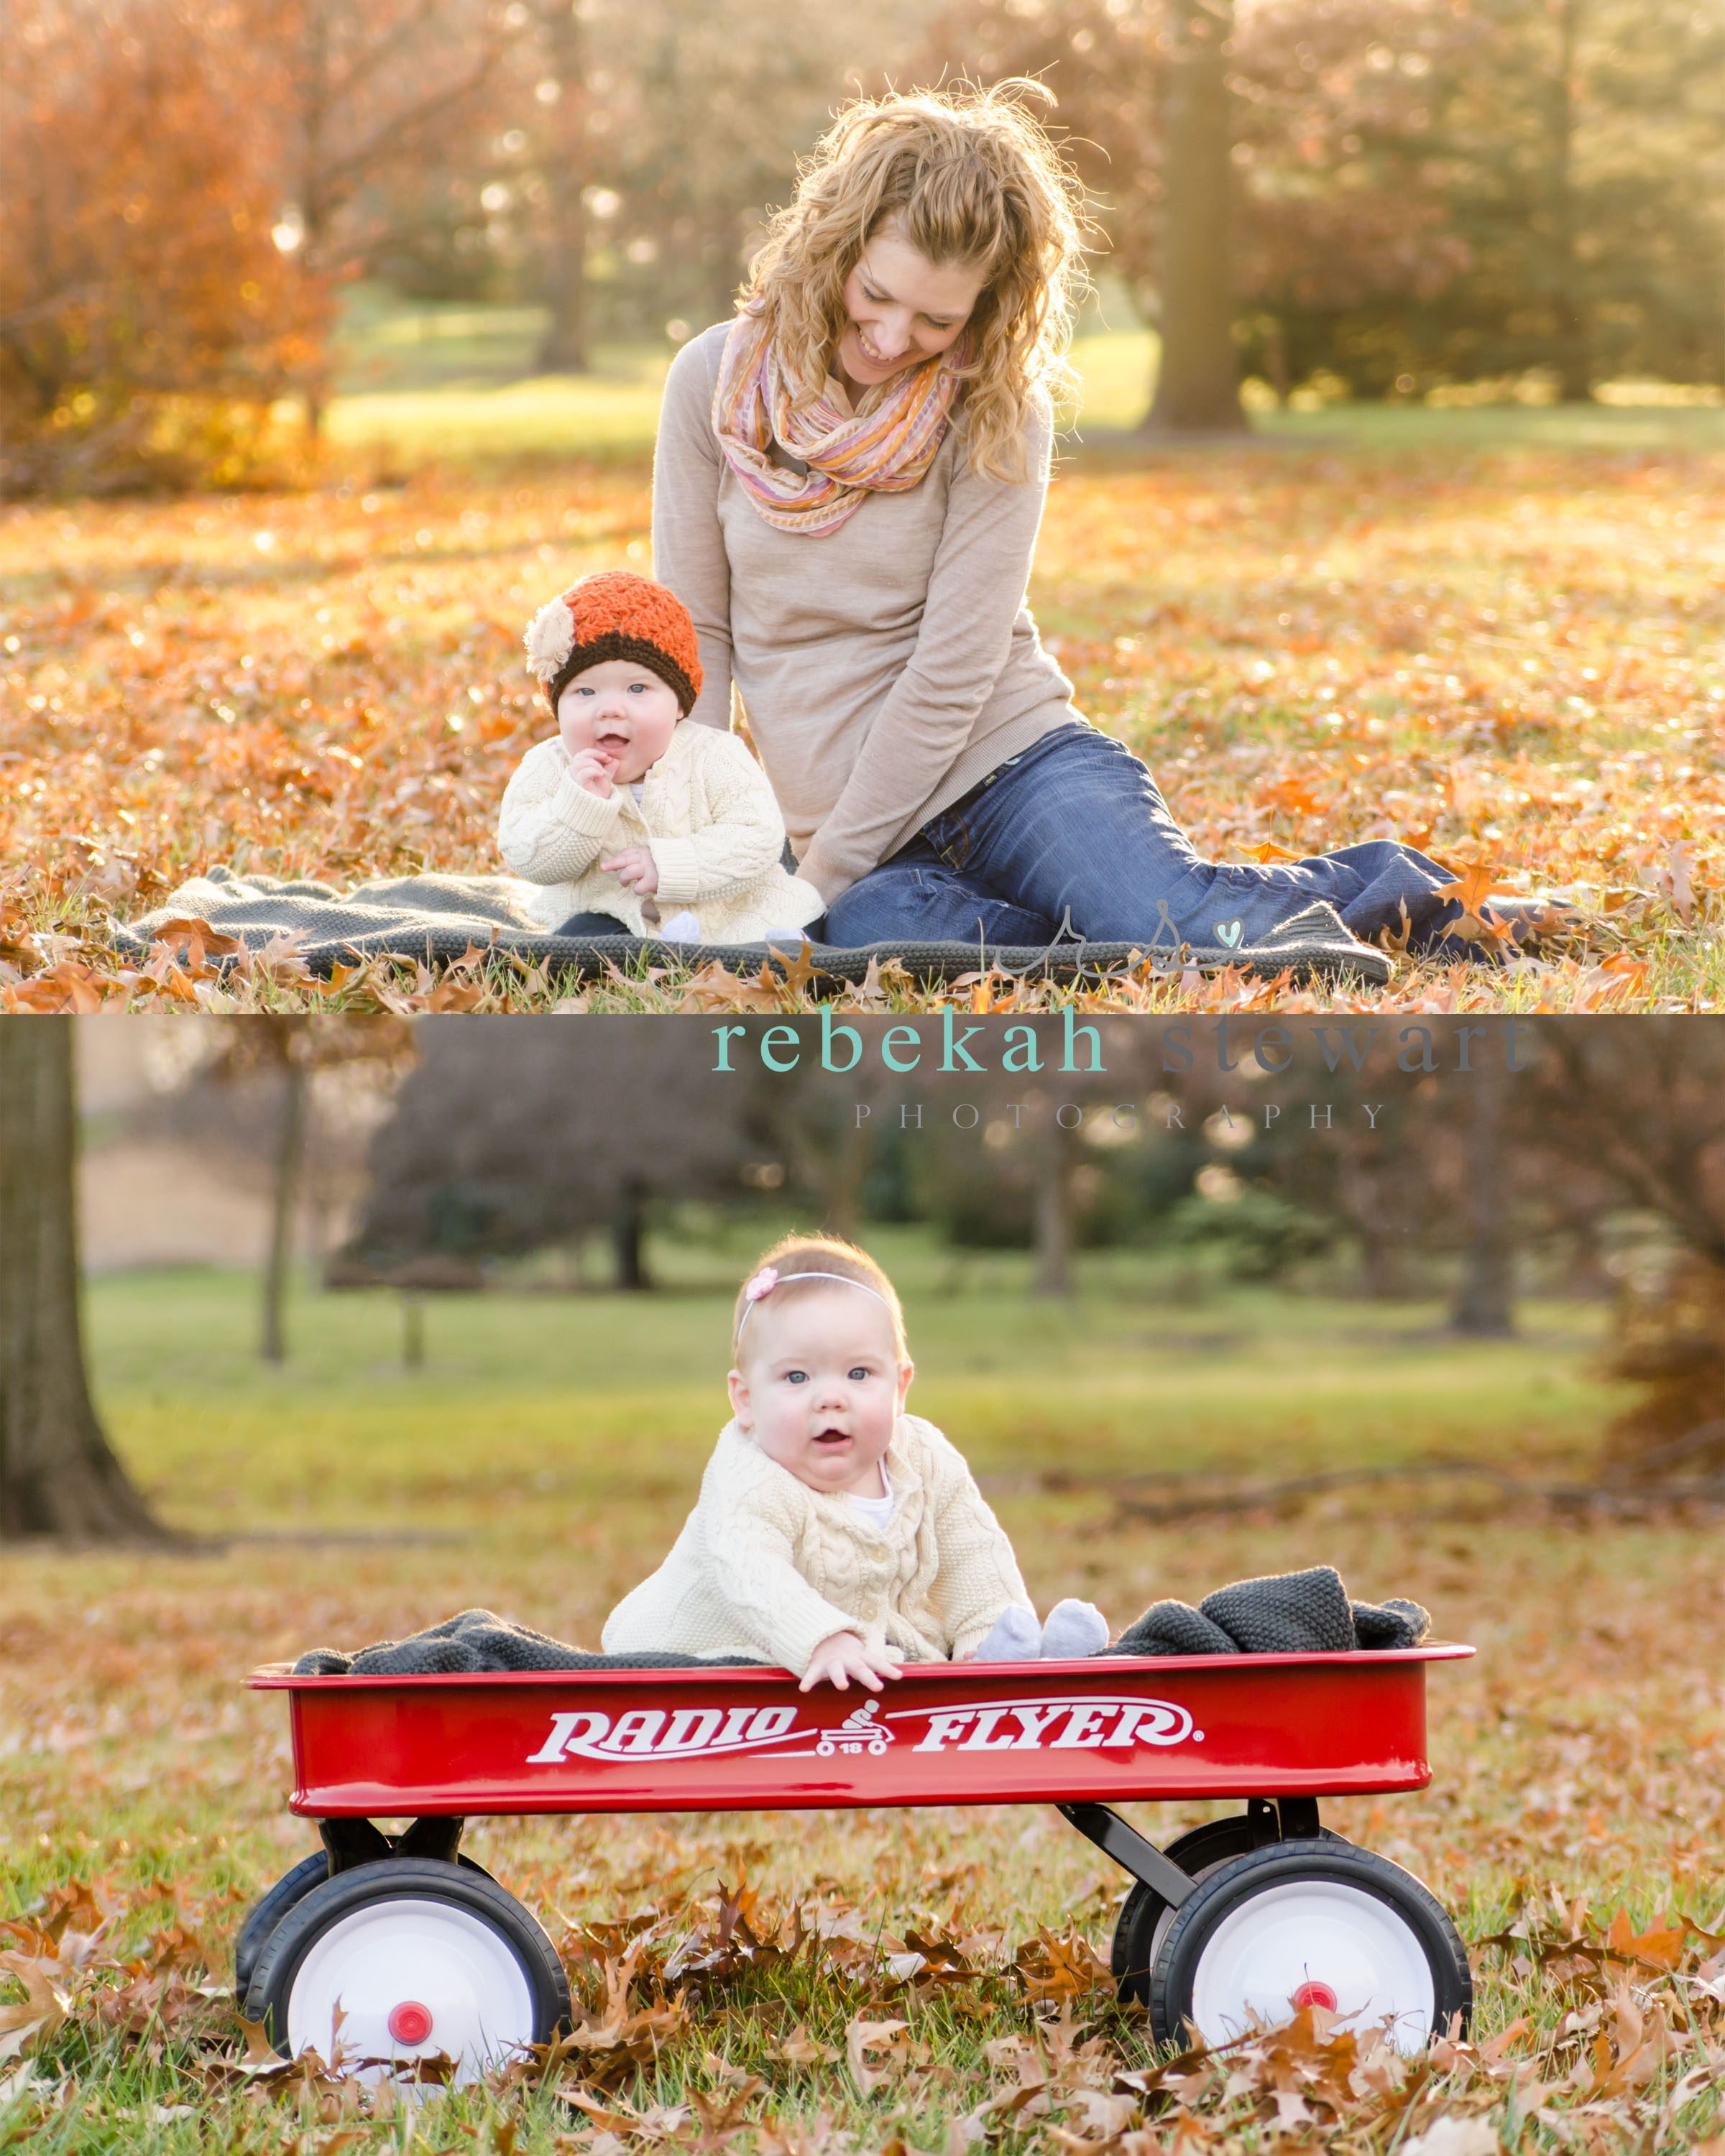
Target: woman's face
x,y
903,309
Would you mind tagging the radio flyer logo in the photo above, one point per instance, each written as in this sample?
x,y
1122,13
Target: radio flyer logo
x,y
857,1732
1055,1724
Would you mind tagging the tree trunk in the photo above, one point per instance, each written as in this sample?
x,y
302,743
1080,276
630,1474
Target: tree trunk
x,y
1571,355
1382,1273
845,1185
1484,1305
291,1140
412,1331
627,1227
57,1475
1053,1218
1198,380
563,349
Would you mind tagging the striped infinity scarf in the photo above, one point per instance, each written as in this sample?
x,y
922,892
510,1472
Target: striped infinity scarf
x,y
886,450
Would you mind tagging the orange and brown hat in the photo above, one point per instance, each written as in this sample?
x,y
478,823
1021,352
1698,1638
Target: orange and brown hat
x,y
615,614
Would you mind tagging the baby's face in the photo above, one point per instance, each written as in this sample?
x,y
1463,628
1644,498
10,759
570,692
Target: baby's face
x,y
820,1384
622,711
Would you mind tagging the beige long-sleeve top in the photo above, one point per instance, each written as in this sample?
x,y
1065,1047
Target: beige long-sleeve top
x,y
707,811
768,1568
885,669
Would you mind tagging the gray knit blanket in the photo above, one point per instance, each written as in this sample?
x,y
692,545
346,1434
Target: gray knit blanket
x,y
1289,1613
436,918
479,1639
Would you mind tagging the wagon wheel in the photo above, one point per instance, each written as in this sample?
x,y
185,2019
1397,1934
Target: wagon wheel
x,y
1145,1917
267,1912
422,1957
1310,1923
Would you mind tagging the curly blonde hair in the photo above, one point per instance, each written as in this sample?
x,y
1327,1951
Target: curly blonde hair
x,y
965,175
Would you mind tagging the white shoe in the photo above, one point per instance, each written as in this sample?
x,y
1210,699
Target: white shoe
x,y
1016,1637
1074,1630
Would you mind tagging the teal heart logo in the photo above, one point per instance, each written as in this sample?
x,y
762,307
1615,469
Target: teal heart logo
x,y
1229,933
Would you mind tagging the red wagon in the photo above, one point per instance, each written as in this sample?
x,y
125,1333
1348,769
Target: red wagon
x,y
1247,1916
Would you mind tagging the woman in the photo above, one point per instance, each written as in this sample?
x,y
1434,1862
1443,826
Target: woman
x,y
846,491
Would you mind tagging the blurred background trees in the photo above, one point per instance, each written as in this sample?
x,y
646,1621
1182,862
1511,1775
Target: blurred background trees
x,y
568,1158
1599,1170
147,319
1381,200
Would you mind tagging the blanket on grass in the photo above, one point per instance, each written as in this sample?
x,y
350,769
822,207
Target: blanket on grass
x,y
479,1640
1288,1613
435,918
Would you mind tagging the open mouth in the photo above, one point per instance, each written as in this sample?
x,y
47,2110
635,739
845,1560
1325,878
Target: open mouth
x,y
832,1437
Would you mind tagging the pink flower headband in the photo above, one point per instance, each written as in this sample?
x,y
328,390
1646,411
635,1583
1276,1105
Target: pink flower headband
x,y
768,1278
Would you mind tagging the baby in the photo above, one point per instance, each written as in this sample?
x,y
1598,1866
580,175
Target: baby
x,y
629,822
835,1535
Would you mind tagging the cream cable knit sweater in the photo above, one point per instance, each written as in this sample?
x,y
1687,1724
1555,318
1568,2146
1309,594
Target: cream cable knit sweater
x,y
765,1566
705,810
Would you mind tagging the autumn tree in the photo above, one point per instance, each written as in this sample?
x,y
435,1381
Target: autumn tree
x,y
563,97
1401,192
58,1475
292,1050
147,321
1198,376
512,1134
1587,151
1642,1102
350,94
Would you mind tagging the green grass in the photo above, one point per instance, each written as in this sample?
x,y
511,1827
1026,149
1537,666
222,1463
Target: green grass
x,y
540,1463
455,383
590,1399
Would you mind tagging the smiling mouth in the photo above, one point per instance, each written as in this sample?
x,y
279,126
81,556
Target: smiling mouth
x,y
874,357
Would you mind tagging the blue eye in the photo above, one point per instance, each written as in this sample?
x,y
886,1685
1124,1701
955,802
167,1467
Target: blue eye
x,y
858,1374
796,1376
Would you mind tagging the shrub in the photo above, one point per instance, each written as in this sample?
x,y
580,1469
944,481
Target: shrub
x,y
147,320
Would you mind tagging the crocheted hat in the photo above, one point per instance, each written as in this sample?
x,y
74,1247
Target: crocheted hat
x,y
614,615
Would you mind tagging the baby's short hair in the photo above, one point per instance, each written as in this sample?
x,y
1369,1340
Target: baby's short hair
x,y
802,1264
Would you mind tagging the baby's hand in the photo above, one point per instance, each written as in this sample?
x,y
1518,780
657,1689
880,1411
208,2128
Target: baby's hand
x,y
843,1655
635,869
592,770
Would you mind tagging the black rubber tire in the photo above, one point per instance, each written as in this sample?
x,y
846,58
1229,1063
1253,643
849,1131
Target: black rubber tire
x,y
1195,1921
267,1912
407,1878
1200,1849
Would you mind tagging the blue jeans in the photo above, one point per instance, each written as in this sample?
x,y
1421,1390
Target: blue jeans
x,y
1074,831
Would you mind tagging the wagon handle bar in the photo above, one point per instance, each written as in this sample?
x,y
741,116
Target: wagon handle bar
x,y
1130,1851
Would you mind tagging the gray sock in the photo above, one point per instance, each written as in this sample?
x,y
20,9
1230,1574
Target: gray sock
x,y
1074,1630
1016,1637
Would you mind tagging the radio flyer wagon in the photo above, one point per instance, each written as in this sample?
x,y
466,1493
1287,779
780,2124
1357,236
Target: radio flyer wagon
x,y
1251,1915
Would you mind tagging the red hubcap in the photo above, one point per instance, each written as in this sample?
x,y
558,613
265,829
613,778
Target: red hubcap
x,y
1308,1994
410,2023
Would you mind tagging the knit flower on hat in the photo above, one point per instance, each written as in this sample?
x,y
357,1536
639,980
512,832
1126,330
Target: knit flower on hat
x,y
616,614
550,638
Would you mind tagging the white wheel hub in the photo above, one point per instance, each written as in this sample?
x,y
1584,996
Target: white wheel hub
x,y
411,1979
1310,1943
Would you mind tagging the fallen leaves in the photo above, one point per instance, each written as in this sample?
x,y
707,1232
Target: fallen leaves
x,y
1332,649
45,2006
865,2041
